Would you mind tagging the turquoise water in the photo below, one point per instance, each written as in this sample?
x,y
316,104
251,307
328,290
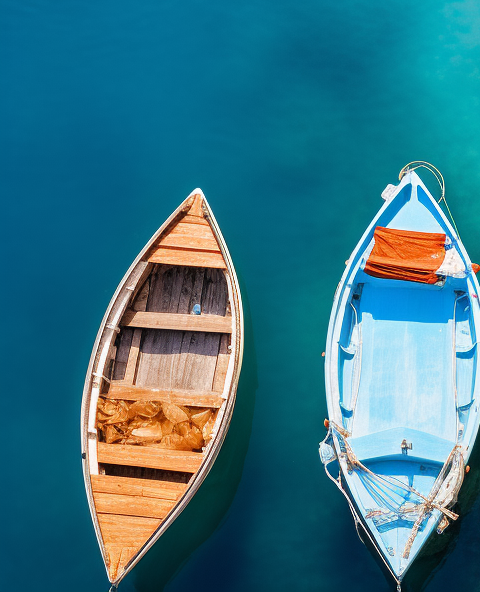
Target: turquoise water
x,y
292,117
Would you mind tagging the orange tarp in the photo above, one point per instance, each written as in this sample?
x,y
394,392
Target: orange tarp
x,y
406,255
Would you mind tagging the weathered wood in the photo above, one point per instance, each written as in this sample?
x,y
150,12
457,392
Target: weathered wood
x,y
177,396
132,505
177,322
198,359
164,364
149,456
133,357
123,349
196,296
140,302
149,488
176,256
166,353
214,293
221,368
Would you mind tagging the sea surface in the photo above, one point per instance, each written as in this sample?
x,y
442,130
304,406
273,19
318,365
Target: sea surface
x,y
292,117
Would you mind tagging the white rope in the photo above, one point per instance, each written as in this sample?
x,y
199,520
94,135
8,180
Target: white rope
x,y
417,164
357,521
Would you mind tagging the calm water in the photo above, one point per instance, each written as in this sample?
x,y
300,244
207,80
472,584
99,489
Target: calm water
x,y
292,117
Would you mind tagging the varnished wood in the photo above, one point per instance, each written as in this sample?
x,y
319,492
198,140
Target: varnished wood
x,y
175,256
165,490
177,396
178,322
196,209
181,241
131,505
188,236
118,556
128,531
149,456
189,219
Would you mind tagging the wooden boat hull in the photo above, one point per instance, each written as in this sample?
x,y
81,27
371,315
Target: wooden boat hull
x,y
401,365
138,477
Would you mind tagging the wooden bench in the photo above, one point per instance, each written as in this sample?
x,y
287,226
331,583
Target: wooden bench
x,y
178,322
151,488
175,256
177,396
132,505
149,456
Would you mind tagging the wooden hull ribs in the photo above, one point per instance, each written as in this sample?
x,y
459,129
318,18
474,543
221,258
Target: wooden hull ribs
x,y
161,384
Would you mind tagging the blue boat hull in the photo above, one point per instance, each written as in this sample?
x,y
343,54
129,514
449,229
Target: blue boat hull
x,y
401,365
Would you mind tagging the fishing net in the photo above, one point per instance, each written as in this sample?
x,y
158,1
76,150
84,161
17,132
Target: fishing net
x,y
152,423
395,503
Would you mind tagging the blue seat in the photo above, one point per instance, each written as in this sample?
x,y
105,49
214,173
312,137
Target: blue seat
x,y
387,443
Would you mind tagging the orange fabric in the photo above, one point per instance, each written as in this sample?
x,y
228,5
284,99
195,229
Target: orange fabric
x,y
406,255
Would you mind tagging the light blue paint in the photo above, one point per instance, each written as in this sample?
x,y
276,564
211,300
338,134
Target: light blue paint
x,y
401,363
386,445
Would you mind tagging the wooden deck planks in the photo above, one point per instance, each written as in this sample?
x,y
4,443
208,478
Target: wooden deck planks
x,y
189,219
182,360
117,557
132,505
190,242
149,456
177,396
132,361
191,236
150,488
123,350
178,322
181,241
126,531
221,368
176,256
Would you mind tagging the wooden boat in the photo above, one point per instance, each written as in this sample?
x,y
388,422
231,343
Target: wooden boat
x,y
401,367
160,388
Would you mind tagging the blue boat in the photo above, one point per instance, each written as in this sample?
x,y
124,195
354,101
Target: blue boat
x,y
401,364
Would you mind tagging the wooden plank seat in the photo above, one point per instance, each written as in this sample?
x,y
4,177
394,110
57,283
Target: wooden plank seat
x,y
187,236
130,392
180,322
152,488
126,531
149,456
132,505
191,258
